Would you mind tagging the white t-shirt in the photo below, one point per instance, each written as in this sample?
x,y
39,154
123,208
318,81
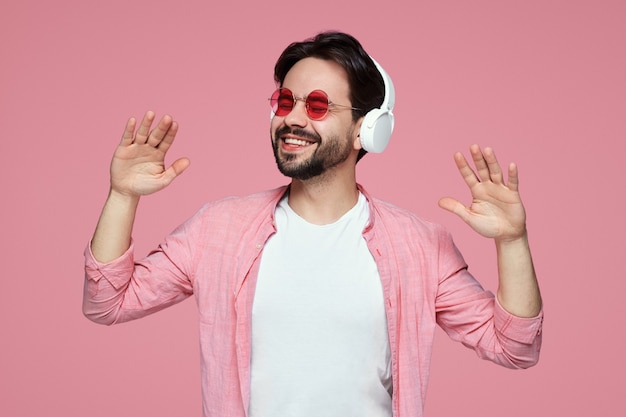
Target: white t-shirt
x,y
320,346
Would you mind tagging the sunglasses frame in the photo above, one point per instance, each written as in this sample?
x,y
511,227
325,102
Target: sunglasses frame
x,y
282,92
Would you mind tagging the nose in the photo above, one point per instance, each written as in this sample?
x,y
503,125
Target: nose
x,y
297,116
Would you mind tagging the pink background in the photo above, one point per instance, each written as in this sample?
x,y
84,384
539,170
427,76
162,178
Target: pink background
x,y
543,82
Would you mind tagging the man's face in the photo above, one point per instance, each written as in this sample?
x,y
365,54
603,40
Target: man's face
x,y
306,148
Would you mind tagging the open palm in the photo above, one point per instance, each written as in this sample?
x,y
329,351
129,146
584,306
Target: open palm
x,y
496,210
138,165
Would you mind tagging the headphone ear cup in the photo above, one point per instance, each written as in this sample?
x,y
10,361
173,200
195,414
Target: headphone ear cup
x,y
376,130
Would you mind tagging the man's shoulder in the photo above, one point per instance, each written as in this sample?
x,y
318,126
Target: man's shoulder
x,y
403,219
257,197
244,205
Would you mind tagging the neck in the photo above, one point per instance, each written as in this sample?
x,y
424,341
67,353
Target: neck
x,y
323,200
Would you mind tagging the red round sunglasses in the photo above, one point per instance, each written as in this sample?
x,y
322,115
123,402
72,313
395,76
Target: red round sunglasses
x,y
316,103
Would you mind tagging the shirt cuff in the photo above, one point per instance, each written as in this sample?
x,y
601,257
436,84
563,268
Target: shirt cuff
x,y
116,271
520,329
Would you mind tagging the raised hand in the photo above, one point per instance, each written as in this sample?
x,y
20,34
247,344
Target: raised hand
x,y
137,168
496,210
138,165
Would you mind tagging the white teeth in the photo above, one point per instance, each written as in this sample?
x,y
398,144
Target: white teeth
x,y
298,142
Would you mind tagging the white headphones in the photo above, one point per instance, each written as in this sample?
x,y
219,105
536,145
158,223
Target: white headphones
x,y
378,123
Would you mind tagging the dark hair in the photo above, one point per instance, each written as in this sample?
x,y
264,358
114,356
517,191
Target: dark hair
x,y
367,88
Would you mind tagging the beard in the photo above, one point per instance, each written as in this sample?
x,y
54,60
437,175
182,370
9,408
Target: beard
x,y
330,152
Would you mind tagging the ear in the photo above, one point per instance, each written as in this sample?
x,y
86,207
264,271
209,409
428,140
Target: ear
x,y
356,140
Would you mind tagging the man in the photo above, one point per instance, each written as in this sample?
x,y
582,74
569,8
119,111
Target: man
x,y
317,298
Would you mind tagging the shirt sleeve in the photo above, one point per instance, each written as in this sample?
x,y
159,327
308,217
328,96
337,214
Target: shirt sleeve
x,y
471,315
123,289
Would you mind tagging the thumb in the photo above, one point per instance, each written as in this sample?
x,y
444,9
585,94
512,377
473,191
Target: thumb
x,y
454,206
177,168
180,165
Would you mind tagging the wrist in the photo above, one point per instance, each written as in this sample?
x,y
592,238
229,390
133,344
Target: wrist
x,y
123,199
521,238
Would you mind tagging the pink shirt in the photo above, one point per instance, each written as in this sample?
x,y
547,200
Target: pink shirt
x,y
215,256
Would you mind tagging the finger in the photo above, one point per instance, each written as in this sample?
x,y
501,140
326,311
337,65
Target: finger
x,y
482,170
169,136
513,178
466,172
160,131
495,173
129,131
144,129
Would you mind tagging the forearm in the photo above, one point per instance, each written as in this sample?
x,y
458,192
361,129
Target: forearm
x,y
114,230
518,291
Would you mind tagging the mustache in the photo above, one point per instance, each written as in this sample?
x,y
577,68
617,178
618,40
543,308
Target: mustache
x,y
298,132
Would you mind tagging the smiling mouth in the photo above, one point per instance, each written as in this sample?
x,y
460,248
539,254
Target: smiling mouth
x,y
297,142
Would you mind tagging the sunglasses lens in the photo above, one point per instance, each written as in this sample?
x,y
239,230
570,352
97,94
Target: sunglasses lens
x,y
317,104
282,101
